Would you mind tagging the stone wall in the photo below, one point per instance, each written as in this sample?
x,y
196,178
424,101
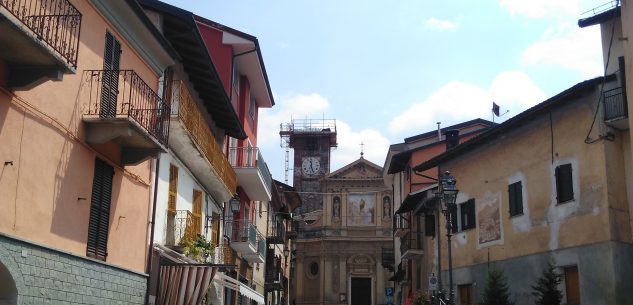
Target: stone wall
x,y
47,276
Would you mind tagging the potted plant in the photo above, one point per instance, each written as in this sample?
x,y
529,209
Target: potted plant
x,y
199,248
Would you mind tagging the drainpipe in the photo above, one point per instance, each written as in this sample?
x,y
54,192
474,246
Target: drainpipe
x,y
151,238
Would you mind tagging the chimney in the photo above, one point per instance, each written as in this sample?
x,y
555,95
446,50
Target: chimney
x,y
452,138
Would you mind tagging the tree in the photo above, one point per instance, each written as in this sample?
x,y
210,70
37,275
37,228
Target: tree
x,y
496,291
546,288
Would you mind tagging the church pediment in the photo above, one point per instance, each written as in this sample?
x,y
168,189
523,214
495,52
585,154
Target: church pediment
x,y
359,169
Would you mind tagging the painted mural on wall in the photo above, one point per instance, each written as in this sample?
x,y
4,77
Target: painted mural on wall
x,y
489,228
361,209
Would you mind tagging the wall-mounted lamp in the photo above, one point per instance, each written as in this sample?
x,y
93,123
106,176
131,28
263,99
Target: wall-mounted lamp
x,y
286,252
234,203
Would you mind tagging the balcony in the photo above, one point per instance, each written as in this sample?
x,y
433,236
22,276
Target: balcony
x,y
243,236
411,245
274,279
278,233
223,255
182,225
122,109
388,258
616,109
400,225
252,172
40,40
260,255
193,141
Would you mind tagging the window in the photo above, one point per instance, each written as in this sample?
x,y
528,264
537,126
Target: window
x,y
251,106
467,212
236,80
429,225
564,183
515,198
314,268
99,222
215,229
197,212
110,81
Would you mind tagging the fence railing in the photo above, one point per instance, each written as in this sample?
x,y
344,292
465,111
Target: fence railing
x,y
185,108
615,104
56,22
250,157
181,225
243,231
411,241
223,254
115,93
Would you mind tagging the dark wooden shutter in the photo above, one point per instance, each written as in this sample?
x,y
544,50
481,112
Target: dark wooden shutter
x,y
429,225
453,212
564,183
468,214
110,81
515,198
97,245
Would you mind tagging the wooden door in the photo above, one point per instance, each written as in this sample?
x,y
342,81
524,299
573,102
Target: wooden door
x,y
465,294
361,291
572,285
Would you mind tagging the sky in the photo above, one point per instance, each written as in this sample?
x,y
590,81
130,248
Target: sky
x,y
388,70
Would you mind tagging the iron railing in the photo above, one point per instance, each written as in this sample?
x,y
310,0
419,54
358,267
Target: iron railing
x,y
277,233
615,106
223,255
411,241
116,93
243,231
388,257
261,245
180,226
250,157
56,22
192,119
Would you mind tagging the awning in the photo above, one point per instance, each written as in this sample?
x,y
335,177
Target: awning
x,y
251,294
184,284
227,281
413,199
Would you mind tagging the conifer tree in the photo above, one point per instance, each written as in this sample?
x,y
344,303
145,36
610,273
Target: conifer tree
x,y
546,288
496,291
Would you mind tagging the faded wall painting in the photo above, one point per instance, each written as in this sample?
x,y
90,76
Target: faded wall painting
x,y
489,227
361,209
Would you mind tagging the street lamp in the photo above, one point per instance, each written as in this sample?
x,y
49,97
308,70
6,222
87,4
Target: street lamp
x,y
448,194
286,251
234,203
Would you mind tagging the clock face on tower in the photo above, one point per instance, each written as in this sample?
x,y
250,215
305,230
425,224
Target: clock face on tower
x,y
310,166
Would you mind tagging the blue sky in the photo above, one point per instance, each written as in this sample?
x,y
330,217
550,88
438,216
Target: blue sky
x,y
387,70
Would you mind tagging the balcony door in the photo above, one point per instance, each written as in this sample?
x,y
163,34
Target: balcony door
x,y
110,81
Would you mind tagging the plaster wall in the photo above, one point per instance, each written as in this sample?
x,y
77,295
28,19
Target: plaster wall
x,y
533,152
47,189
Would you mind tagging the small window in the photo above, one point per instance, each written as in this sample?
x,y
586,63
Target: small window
x,y
467,212
515,198
314,268
251,106
429,225
564,183
453,212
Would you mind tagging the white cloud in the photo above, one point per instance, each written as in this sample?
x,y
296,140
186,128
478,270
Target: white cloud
x,y
375,146
541,8
570,47
434,23
458,101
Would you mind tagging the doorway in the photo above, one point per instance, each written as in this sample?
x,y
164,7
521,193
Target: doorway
x,y
361,291
8,291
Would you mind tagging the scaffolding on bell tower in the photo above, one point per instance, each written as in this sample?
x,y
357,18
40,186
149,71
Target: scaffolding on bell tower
x,y
299,128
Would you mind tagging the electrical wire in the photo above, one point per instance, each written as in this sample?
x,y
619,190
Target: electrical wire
x,y
588,139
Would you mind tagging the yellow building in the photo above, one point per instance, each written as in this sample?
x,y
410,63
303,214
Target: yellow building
x,y
548,185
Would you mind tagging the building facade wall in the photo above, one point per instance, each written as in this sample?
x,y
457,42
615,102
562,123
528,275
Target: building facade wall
x,y
44,275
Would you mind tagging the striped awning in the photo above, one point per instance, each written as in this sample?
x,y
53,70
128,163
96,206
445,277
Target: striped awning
x,y
251,294
184,284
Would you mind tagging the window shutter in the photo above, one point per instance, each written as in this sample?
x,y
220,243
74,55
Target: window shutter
x,y
515,197
99,222
468,214
197,211
215,230
429,225
173,189
564,183
110,81
453,212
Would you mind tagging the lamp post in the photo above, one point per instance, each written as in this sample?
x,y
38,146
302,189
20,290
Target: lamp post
x,y
234,204
448,195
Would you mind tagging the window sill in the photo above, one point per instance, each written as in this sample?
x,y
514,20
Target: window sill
x,y
566,201
517,215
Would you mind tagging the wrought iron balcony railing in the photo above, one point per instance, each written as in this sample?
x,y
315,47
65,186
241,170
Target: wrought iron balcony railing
x,y
223,255
184,107
250,157
182,225
615,104
411,243
56,22
122,93
242,231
